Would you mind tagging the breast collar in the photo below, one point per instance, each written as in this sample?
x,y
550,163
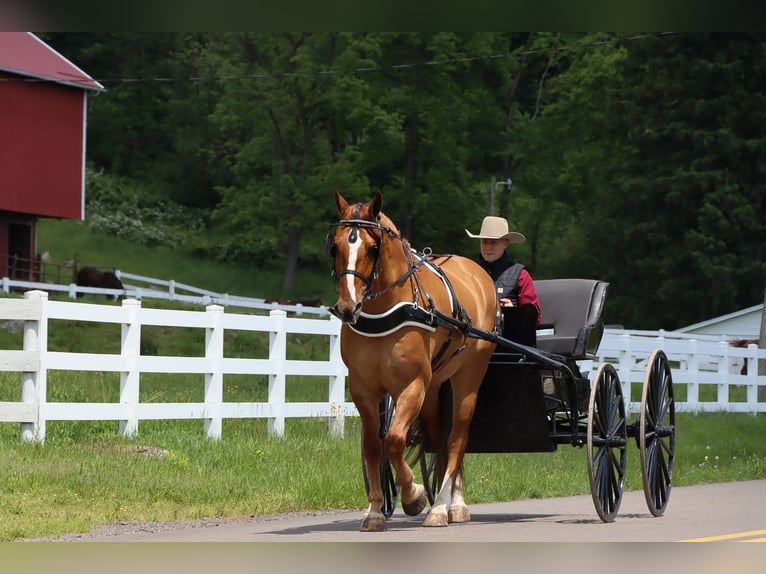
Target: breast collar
x,y
407,314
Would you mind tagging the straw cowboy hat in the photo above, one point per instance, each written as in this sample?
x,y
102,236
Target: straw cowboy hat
x,y
496,228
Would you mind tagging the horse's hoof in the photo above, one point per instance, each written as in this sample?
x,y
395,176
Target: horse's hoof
x,y
435,518
459,514
415,506
373,522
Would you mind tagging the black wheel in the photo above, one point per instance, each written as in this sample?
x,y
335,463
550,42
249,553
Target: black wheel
x,y
657,432
387,475
429,464
607,440
416,454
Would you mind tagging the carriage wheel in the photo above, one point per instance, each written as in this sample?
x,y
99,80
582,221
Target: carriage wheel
x,y
429,463
387,475
657,432
607,439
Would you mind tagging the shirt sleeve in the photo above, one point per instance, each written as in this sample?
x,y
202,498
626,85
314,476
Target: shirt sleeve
x,y
528,293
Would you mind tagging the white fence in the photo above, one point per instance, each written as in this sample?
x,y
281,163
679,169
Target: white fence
x,y
695,363
169,290
35,360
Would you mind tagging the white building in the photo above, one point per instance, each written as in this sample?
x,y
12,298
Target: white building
x,y
743,324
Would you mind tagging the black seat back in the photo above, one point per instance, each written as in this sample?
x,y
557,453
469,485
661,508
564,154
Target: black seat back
x,y
572,308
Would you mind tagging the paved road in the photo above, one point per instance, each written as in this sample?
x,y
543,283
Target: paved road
x,y
727,511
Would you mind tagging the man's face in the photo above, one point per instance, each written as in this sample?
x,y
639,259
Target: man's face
x,y
493,249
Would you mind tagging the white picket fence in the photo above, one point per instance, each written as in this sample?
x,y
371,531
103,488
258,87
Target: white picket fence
x,y
35,360
695,362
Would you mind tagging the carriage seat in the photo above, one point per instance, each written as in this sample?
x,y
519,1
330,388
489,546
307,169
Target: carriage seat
x,y
572,325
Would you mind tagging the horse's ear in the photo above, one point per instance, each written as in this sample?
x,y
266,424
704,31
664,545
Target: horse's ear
x,y
377,203
340,201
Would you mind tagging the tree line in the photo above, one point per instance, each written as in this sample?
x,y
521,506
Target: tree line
x,y
632,158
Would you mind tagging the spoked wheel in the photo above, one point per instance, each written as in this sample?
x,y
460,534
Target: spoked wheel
x,y
657,432
387,475
429,470
607,439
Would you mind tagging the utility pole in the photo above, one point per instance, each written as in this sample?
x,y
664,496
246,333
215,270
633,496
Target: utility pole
x,y
492,196
492,187
762,345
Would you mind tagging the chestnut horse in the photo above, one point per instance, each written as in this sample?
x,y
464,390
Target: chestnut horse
x,y
408,326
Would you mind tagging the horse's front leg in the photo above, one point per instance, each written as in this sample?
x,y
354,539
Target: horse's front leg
x,y
373,519
413,495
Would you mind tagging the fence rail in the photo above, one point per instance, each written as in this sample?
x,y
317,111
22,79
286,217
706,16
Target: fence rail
x,y
166,289
35,360
695,364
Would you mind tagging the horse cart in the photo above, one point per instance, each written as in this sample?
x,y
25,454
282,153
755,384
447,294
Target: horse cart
x,y
535,397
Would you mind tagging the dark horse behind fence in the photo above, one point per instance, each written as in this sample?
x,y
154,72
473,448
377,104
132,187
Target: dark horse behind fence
x,y
407,320
743,344
92,277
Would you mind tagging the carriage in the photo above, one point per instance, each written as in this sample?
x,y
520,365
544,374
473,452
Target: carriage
x,y
535,397
434,374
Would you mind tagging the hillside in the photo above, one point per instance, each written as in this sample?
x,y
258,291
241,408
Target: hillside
x,y
68,240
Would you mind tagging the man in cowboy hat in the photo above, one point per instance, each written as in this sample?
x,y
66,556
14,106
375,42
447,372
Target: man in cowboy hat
x,y
515,286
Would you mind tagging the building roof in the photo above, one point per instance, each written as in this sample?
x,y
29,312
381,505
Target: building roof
x,y
25,54
744,323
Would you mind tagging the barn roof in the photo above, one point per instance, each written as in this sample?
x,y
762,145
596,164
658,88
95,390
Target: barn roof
x,y
25,54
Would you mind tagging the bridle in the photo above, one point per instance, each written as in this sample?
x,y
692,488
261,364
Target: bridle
x,y
356,224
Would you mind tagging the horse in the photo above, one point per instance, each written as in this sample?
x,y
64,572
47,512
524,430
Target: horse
x,y
743,344
92,277
409,324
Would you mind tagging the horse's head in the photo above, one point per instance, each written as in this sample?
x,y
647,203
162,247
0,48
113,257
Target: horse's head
x,y
355,247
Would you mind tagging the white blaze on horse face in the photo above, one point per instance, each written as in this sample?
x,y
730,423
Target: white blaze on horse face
x,y
353,252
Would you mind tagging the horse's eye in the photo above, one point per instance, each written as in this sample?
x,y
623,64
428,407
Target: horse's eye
x,y
374,250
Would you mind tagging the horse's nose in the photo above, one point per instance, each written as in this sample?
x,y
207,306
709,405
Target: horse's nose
x,y
346,313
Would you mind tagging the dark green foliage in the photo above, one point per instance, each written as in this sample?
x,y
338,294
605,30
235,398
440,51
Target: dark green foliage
x,y
635,158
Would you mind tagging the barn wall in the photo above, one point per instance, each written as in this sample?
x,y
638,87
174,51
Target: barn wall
x,y
42,149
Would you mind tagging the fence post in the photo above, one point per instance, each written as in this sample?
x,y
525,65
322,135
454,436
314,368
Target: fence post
x,y
752,379
34,387
214,378
724,366
337,384
130,379
625,371
693,368
277,356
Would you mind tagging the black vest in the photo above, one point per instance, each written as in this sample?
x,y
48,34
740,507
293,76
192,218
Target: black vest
x,y
505,273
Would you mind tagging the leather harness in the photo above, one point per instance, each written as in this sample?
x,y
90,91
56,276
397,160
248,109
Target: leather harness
x,y
405,313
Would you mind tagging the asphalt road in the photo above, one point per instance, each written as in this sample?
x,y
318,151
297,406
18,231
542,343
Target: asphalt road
x,y
717,512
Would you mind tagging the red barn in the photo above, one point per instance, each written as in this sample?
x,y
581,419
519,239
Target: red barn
x,y
43,113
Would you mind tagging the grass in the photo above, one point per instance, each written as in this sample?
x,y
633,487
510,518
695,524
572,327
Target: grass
x,y
86,475
66,240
